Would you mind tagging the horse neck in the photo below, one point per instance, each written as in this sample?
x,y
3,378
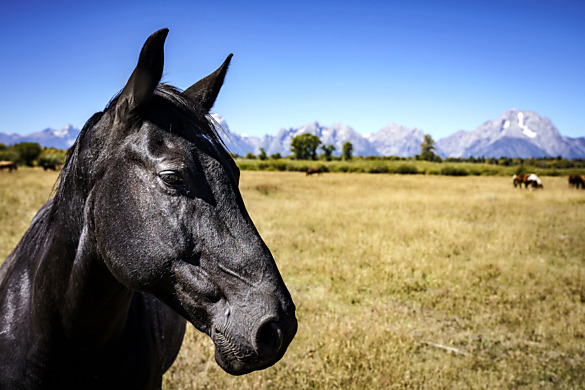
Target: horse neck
x,y
75,291
96,304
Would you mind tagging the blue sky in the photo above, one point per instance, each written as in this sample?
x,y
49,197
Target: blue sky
x,y
440,66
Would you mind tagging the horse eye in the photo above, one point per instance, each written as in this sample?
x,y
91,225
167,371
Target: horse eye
x,y
170,178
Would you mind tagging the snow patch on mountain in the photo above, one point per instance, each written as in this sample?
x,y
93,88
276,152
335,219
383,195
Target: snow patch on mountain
x,y
525,130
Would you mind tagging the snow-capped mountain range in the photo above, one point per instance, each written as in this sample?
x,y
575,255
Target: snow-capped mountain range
x,y
515,134
60,139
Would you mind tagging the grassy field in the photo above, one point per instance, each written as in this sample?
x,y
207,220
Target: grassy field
x,y
401,281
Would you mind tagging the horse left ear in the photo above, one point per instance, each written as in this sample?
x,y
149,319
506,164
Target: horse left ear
x,y
145,76
205,91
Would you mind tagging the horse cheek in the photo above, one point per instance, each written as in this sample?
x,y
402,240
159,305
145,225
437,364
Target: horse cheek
x,y
129,249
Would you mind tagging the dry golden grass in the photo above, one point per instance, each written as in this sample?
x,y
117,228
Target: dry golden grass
x,y
387,271
407,282
22,193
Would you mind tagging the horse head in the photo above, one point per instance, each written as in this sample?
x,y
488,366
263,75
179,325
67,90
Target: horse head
x,y
168,218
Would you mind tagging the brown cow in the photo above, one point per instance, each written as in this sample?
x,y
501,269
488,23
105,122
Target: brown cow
x,y
49,165
311,171
577,181
519,179
8,165
530,180
534,182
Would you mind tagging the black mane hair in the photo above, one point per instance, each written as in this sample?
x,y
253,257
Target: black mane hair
x,y
84,155
166,96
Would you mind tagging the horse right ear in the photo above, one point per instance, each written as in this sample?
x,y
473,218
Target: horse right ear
x,y
146,75
205,91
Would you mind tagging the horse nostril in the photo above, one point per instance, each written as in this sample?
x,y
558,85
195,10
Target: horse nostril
x,y
268,339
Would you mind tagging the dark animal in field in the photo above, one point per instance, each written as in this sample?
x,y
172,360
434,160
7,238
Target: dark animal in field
x,y
49,166
312,171
147,228
9,165
577,181
530,181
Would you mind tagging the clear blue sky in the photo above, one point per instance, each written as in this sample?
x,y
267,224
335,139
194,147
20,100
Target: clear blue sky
x,y
440,66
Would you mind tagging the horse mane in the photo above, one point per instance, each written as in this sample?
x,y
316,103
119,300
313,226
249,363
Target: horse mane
x,y
165,94
83,156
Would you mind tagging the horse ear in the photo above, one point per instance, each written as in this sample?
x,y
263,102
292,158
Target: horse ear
x,y
145,76
205,91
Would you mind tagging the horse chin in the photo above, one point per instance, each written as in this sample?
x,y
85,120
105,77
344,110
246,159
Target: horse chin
x,y
236,358
231,366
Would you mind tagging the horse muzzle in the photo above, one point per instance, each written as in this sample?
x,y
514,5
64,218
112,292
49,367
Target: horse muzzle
x,y
266,343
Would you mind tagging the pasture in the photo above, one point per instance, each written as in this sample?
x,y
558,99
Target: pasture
x,y
400,281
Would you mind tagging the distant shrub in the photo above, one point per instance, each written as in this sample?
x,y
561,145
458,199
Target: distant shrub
x,y
247,166
28,152
377,167
406,169
278,165
341,168
9,155
296,167
51,158
454,171
490,172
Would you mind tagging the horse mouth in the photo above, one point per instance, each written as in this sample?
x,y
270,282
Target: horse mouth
x,y
232,356
236,357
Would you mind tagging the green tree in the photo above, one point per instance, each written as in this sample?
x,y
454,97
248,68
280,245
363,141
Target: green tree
x,y
427,148
304,146
347,150
28,152
262,155
327,151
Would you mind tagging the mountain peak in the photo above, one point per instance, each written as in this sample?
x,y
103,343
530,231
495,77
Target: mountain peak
x,y
517,133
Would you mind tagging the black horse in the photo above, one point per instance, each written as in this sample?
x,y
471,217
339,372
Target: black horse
x,y
147,228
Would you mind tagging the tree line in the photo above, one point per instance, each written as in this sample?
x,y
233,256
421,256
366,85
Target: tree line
x,y
307,147
32,154
304,147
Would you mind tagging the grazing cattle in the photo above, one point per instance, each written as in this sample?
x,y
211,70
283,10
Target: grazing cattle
x,y
577,181
534,182
519,179
49,165
312,171
9,165
530,180
147,229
